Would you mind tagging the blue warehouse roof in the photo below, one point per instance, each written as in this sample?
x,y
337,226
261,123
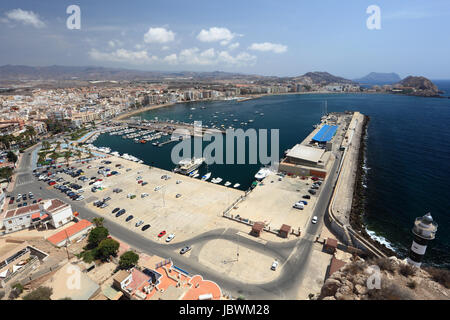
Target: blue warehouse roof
x,y
325,134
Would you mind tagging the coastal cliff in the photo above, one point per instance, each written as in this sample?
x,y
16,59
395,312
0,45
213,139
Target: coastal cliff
x,y
398,281
416,86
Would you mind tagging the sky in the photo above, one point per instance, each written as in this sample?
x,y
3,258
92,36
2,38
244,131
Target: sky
x,y
266,37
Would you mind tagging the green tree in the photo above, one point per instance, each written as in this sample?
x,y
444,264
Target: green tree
x,y
11,157
96,236
6,173
41,293
106,248
45,145
98,221
128,260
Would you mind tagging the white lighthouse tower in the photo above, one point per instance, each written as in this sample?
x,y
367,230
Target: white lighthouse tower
x,y
424,230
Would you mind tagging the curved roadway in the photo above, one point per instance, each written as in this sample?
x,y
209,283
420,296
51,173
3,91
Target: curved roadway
x,y
293,255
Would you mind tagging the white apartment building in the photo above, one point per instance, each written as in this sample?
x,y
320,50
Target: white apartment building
x,y
54,212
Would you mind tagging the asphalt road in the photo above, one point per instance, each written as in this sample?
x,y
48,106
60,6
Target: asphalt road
x,y
293,255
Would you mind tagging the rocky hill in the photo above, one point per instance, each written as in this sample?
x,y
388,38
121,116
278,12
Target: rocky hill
x,y
322,78
398,281
379,78
418,86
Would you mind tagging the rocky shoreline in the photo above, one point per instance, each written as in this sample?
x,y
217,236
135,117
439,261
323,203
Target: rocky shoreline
x,y
358,203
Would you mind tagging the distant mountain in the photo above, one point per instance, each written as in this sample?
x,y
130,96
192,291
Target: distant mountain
x,y
18,72
321,78
379,78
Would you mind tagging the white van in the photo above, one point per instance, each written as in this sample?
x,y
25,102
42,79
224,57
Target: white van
x,y
299,205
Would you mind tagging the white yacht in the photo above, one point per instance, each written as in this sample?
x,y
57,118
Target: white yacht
x,y
262,173
186,166
227,183
236,185
216,180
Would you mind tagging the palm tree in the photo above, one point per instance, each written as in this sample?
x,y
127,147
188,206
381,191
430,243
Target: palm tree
x,y
79,154
67,156
54,156
31,133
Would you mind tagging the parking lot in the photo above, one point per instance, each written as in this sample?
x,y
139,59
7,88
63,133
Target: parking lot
x,y
178,204
272,202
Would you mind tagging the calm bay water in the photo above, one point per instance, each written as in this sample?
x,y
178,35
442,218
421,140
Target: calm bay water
x,y
407,156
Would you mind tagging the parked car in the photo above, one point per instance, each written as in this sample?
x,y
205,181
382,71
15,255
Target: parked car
x,y
115,210
170,237
299,205
312,191
274,265
129,218
144,183
162,233
185,249
140,222
145,227
306,196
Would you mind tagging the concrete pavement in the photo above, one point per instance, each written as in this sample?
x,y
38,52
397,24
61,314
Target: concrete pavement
x,y
294,255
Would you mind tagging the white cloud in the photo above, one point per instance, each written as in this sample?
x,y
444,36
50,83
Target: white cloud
x,y
267,46
159,35
233,46
171,59
123,55
194,56
165,48
242,59
215,34
25,17
115,43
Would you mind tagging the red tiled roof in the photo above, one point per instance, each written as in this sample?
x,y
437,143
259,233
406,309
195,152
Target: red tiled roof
x,y
69,231
22,210
36,215
56,204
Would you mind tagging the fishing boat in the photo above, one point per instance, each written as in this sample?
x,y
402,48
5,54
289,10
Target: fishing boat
x,y
217,180
227,183
191,174
206,176
236,185
196,175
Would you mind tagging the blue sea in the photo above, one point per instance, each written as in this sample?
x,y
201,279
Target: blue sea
x,y
407,159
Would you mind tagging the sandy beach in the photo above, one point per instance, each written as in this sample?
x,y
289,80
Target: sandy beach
x,y
152,107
